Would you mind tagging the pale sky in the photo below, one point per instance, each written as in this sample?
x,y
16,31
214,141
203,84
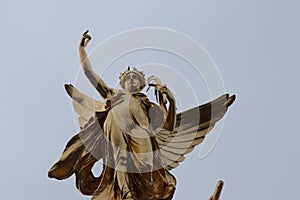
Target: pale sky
x,y
255,45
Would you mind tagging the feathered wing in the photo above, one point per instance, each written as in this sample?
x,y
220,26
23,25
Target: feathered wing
x,y
85,148
190,130
84,106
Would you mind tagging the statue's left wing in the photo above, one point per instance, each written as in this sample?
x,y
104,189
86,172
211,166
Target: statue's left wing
x,y
190,130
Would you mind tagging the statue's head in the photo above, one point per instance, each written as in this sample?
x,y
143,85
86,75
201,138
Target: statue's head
x,y
132,80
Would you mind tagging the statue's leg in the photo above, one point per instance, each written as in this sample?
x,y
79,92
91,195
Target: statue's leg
x,y
142,154
120,153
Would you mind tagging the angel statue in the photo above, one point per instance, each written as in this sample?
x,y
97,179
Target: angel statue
x,y
138,141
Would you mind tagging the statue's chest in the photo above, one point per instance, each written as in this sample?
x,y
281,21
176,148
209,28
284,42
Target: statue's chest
x,y
126,106
127,112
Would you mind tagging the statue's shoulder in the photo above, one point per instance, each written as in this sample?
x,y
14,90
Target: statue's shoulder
x,y
144,100
142,97
139,95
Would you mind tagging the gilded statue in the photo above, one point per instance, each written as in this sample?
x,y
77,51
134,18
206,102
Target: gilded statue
x,y
138,142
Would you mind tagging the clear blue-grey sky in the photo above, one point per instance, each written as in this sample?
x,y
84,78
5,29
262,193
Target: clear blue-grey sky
x,y
255,45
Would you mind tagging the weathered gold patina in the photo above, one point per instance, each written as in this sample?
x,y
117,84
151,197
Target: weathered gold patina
x,y
138,141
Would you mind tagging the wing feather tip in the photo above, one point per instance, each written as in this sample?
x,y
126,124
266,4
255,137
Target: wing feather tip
x,y
230,100
69,89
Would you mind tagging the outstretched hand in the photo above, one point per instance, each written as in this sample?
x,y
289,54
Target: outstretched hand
x,y
85,39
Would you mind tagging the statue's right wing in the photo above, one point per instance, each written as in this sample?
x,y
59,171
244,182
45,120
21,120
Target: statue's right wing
x,y
84,105
85,148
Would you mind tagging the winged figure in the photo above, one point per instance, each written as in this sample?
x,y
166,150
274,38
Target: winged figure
x,y
138,141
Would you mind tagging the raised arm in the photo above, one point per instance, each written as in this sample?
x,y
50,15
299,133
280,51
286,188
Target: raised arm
x,y
96,81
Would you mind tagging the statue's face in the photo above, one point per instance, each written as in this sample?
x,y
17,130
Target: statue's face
x,y
132,82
